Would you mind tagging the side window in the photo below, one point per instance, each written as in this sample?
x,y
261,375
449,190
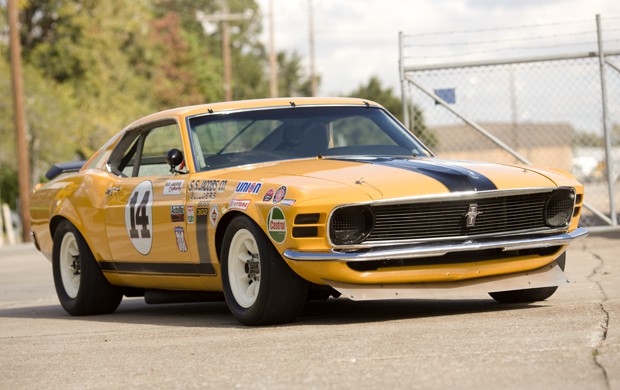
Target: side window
x,y
157,143
142,152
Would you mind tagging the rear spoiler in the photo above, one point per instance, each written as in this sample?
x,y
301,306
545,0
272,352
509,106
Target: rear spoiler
x,y
64,167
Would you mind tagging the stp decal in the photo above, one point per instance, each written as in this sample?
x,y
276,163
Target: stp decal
x,y
139,217
280,194
173,187
268,195
239,204
276,225
180,235
247,187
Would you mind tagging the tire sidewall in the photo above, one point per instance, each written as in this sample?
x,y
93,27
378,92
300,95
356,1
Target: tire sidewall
x,y
256,310
95,295
68,303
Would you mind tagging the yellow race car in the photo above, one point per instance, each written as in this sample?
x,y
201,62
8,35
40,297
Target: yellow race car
x,y
268,203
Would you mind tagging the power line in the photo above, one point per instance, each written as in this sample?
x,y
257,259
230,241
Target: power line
x,y
528,38
513,48
496,28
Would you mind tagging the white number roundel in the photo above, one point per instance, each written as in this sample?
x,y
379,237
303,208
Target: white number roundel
x,y
139,217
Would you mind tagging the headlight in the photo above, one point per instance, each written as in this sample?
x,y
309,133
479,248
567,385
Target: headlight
x,y
559,207
351,225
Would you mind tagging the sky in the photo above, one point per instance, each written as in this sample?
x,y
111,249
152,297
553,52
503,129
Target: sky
x,y
357,39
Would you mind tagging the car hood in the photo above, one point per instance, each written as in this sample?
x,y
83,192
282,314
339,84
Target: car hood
x,y
397,177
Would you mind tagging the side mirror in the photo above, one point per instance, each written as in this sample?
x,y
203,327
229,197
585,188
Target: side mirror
x,y
174,158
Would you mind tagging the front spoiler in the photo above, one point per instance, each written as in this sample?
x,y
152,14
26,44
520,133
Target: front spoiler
x,y
547,276
431,249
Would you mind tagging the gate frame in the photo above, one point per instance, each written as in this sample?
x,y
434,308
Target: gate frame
x,y
407,79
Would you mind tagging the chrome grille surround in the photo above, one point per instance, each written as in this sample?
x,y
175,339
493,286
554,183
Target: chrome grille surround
x,y
426,218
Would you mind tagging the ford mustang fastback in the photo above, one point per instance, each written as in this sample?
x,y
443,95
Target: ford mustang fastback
x,y
269,203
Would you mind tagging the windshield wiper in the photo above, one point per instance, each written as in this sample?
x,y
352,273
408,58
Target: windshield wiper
x,y
235,137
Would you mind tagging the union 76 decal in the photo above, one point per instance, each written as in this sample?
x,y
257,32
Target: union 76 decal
x,y
139,217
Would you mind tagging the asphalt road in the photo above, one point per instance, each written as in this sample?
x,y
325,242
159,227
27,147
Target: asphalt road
x,y
571,341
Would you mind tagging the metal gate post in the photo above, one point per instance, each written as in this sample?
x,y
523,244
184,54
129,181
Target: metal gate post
x,y
403,81
609,162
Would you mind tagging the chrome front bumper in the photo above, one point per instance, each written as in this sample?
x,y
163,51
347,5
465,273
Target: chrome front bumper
x,y
431,249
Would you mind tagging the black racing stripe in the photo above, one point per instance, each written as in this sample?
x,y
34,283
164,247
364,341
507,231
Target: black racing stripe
x,y
176,269
455,178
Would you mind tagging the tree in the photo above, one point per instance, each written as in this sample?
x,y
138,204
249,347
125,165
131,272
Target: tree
x,y
91,47
91,67
292,79
385,96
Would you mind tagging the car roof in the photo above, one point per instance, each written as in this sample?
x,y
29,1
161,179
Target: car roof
x,y
248,105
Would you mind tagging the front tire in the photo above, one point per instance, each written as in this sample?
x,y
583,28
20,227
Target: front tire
x,y
259,287
531,294
80,285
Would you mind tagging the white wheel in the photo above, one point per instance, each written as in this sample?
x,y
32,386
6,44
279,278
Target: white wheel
x,y
70,265
259,287
244,268
81,287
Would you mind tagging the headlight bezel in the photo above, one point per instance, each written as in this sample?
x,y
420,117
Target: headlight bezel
x,y
335,236
563,198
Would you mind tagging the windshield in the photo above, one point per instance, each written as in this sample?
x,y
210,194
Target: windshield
x,y
248,137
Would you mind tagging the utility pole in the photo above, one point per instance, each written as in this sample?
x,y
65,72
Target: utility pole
x,y
226,52
223,18
20,121
311,33
273,64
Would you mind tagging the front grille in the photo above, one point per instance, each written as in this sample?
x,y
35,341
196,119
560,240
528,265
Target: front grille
x,y
434,219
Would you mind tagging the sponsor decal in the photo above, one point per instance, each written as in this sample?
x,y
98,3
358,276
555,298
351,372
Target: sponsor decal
x,y
191,217
206,189
268,195
177,213
213,215
173,187
279,195
239,204
180,235
247,187
139,217
202,211
288,202
276,225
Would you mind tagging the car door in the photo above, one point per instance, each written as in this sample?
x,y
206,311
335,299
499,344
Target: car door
x,y
145,206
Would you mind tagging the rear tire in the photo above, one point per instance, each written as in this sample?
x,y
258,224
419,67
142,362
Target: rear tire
x,y
531,294
80,285
259,287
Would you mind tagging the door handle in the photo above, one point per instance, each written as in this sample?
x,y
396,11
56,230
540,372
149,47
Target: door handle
x,y
112,190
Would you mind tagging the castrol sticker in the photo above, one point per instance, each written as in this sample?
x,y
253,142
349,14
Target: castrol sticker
x,y
276,225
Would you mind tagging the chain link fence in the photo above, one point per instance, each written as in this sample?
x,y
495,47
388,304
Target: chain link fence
x,y
557,110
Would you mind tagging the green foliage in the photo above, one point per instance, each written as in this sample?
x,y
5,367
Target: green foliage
x,y
385,96
292,79
8,186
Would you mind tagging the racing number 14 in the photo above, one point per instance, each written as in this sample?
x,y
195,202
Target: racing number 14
x,y
139,216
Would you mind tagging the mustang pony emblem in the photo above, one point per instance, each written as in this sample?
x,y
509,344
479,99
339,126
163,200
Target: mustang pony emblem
x,y
471,215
